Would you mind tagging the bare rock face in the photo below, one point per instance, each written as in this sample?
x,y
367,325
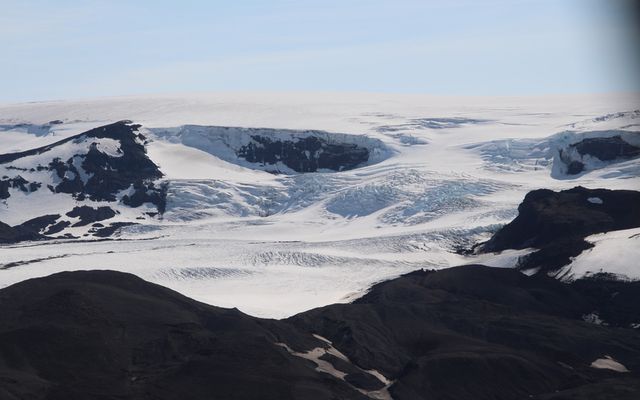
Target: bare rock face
x,y
111,174
38,224
9,234
545,216
89,215
556,223
607,149
147,192
18,182
307,154
602,148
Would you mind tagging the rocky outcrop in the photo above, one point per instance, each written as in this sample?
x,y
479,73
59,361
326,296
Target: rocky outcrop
x,y
89,215
147,193
38,224
307,154
281,151
545,216
45,226
57,227
470,332
556,223
18,182
104,162
578,155
9,234
111,174
106,231
607,149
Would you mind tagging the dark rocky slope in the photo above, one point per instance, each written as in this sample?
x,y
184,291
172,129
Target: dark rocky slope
x,y
34,229
9,234
43,227
483,333
109,335
611,149
556,223
89,215
307,154
465,333
17,182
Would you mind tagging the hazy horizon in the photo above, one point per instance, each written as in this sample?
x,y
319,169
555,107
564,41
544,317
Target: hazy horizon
x,y
75,50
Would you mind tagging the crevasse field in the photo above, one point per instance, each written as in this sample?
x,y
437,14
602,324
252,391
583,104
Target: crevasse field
x,y
443,174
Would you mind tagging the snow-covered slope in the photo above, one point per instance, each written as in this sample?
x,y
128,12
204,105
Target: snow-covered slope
x,y
62,187
615,253
439,174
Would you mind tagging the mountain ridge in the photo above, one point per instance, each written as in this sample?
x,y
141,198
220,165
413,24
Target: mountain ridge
x,y
472,336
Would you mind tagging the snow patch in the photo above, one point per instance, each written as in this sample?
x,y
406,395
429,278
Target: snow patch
x,y
593,318
609,363
614,252
328,368
110,147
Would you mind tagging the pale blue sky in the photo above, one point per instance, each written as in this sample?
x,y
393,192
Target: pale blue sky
x,y
68,49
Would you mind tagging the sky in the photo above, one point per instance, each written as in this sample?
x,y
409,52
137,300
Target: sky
x,y
63,49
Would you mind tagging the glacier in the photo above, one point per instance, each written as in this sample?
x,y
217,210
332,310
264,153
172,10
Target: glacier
x,y
442,173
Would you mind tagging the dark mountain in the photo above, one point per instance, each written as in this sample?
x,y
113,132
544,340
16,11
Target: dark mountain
x,y
475,332
109,335
9,234
556,223
470,332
